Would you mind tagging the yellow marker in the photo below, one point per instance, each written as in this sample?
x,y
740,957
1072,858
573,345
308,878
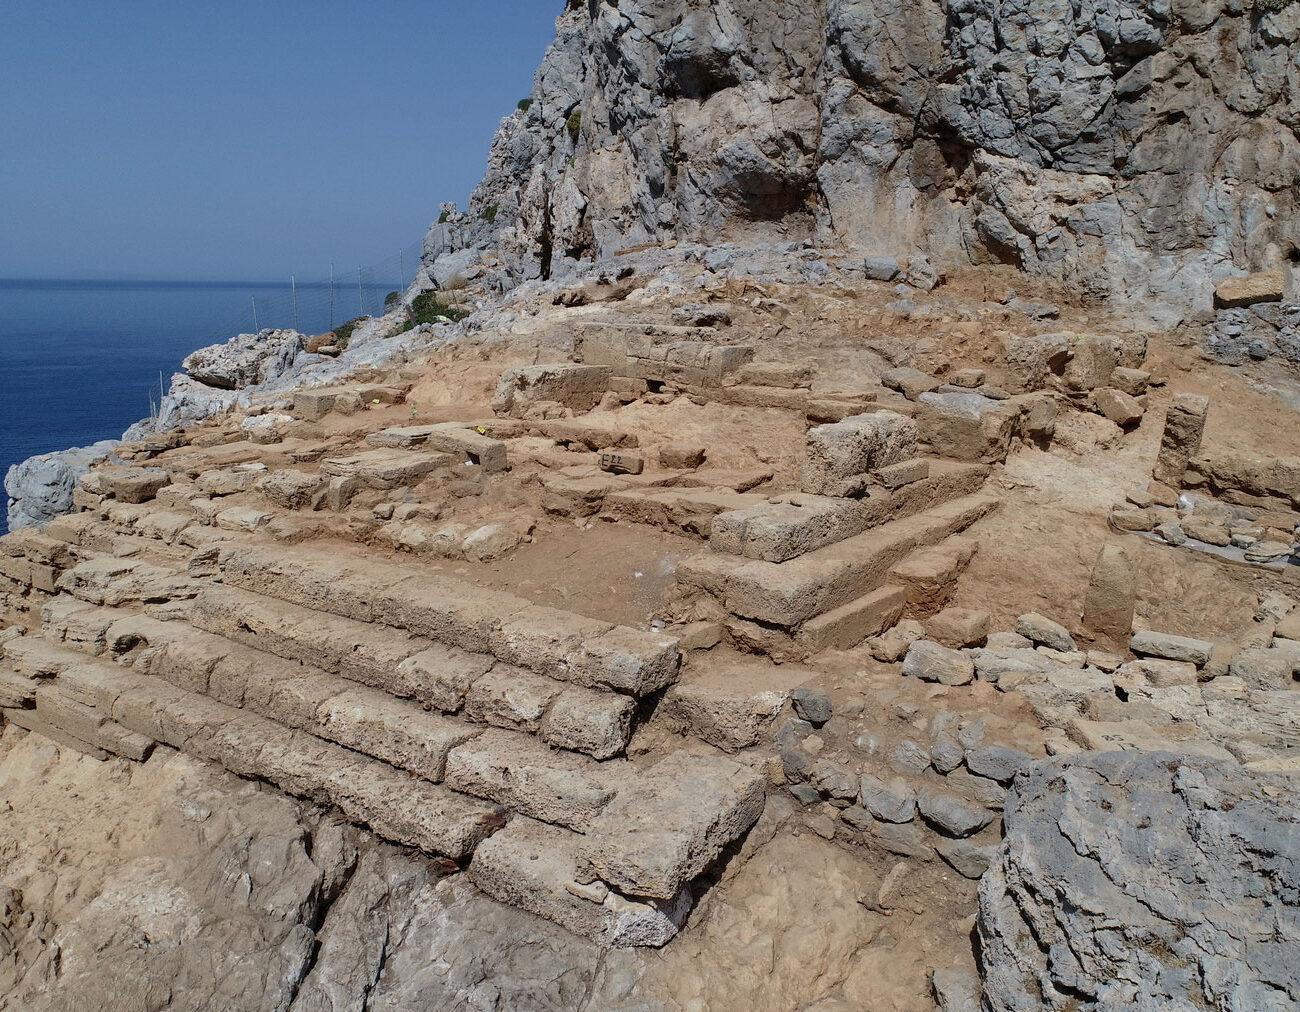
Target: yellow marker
x,y
482,431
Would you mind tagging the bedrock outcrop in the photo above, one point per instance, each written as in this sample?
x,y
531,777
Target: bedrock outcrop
x,y
1136,149
1144,881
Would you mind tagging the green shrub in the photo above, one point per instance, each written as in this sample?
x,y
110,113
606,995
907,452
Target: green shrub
x,y
343,332
575,125
428,307
442,218
490,213
391,299
524,104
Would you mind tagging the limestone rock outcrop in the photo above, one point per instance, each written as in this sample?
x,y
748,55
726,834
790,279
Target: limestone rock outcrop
x,y
1181,875
1138,150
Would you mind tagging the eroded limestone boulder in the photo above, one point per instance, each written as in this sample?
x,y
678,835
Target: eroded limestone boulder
x,y
1183,878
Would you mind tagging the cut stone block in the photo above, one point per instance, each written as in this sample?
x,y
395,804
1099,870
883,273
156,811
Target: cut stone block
x,y
374,723
848,625
313,405
579,387
1130,735
1181,440
1173,648
598,724
903,473
539,868
911,383
958,627
387,469
966,426
930,575
522,774
728,708
790,593
1266,286
685,811
1121,408
511,697
440,676
840,456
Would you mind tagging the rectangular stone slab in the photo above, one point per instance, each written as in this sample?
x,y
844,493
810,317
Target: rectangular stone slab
x,y
519,772
537,868
684,812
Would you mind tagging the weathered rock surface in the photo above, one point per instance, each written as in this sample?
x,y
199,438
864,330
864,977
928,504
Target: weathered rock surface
x,y
1183,878
923,127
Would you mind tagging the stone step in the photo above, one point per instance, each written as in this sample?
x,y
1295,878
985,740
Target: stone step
x,y
788,594
848,625
134,709
512,768
730,705
447,437
558,644
540,868
929,576
445,678
789,526
387,468
690,511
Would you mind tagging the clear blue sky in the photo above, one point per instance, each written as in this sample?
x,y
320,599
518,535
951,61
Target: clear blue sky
x,y
246,140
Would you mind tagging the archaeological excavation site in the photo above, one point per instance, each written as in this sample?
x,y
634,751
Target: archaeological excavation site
x,y
833,547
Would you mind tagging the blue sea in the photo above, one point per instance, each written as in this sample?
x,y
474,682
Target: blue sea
x,y
80,360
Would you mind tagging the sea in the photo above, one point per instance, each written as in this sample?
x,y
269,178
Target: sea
x,y
81,361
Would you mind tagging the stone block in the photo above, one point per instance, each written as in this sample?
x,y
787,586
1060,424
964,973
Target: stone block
x,y
931,662
598,724
966,426
911,383
1133,382
905,472
1121,408
681,456
291,490
1111,597
579,387
511,697
958,627
373,723
313,405
1181,439
1169,647
840,456
1041,629
685,811
621,463
848,625
540,869
524,775
1234,293
1266,669
723,711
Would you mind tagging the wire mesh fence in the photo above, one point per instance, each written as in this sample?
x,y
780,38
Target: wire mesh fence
x,y
319,305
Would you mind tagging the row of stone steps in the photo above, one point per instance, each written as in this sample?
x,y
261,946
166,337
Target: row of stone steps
x,y
614,834
837,595
441,677
558,644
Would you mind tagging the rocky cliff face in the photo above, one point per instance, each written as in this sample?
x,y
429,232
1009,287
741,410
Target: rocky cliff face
x,y
1134,149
